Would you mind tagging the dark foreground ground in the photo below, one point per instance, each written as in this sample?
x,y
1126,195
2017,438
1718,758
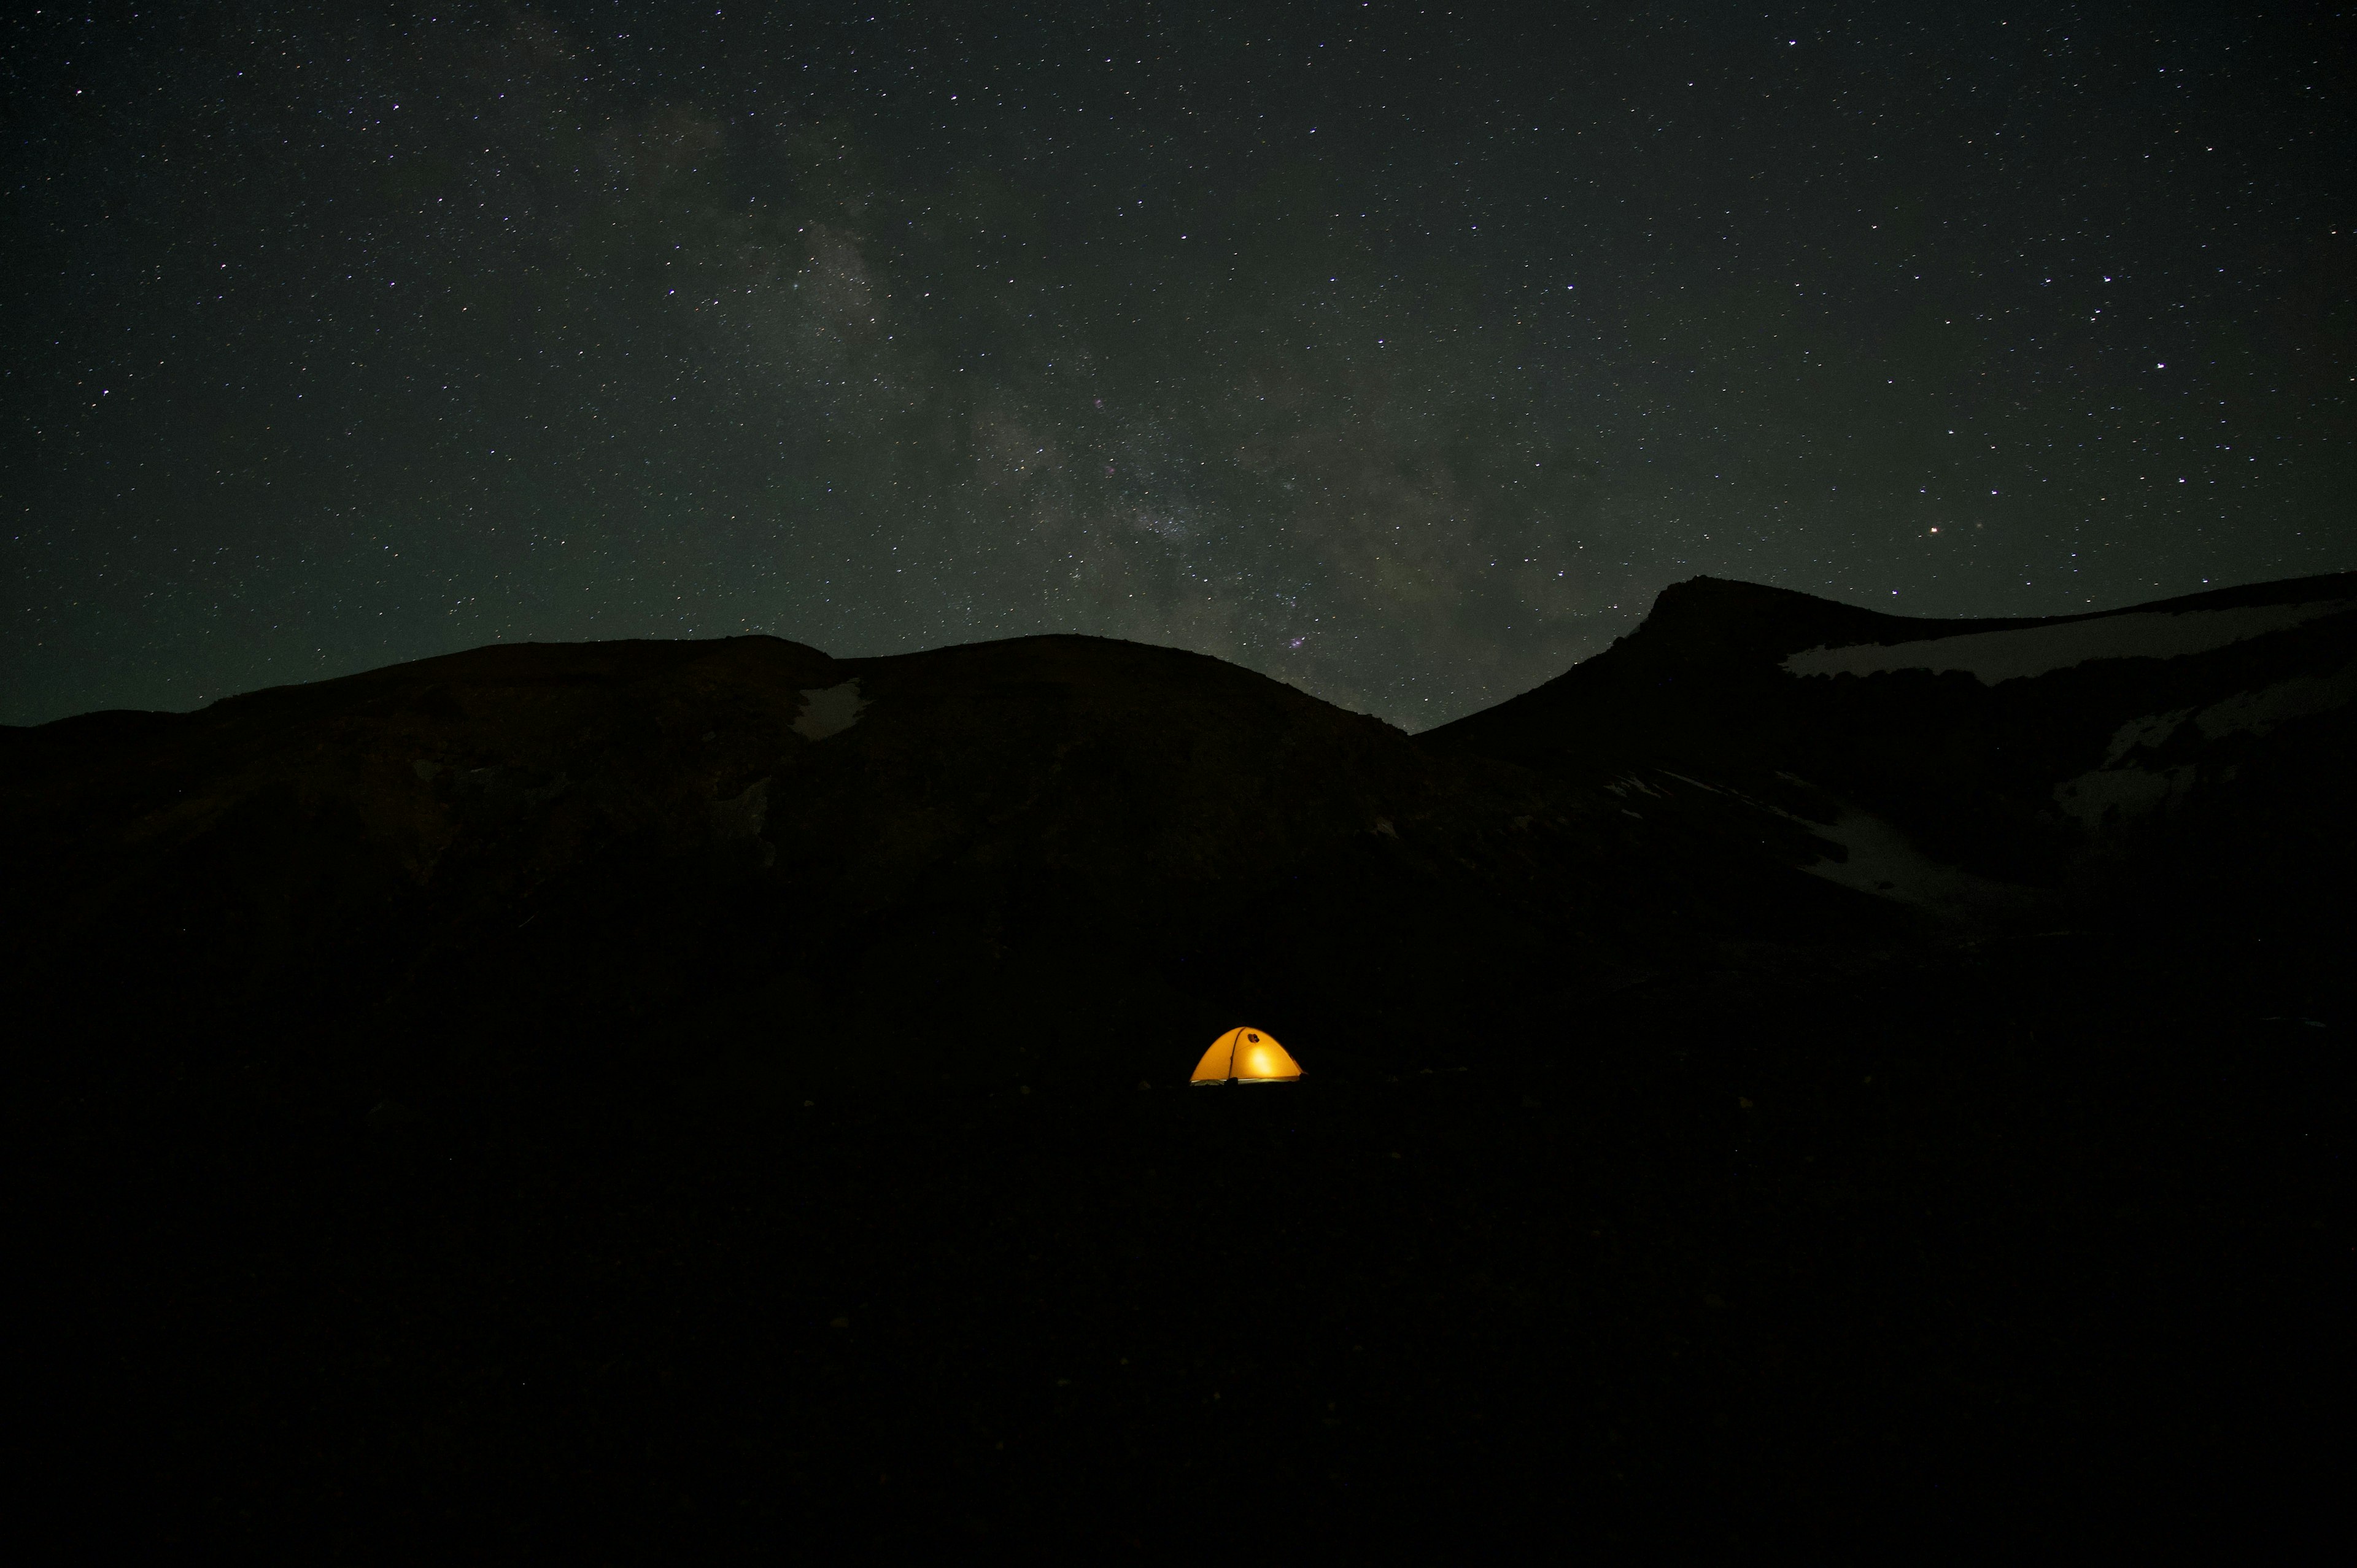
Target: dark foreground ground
x,y
2031,1243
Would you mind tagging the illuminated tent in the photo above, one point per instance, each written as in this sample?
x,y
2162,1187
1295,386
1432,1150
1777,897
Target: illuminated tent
x,y
1246,1056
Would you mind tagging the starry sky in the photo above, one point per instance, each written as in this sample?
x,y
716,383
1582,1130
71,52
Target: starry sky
x,y
1400,353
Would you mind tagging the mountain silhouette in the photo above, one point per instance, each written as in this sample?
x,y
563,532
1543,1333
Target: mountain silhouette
x,y
2182,751
1800,1067
491,856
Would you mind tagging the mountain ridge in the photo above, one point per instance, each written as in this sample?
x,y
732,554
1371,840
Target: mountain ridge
x,y
571,1081
2073,778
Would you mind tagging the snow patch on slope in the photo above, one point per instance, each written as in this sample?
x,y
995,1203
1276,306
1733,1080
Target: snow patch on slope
x,y
1883,863
2111,794
1991,656
2118,790
2258,712
1876,858
830,710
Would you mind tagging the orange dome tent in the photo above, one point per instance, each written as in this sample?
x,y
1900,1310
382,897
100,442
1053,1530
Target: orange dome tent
x,y
1246,1056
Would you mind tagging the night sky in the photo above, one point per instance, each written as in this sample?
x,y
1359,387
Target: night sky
x,y
1400,353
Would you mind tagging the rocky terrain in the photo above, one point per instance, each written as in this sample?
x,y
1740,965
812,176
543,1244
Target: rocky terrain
x,y
1804,1072
2050,769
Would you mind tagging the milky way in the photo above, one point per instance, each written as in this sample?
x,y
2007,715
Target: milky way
x,y
1401,357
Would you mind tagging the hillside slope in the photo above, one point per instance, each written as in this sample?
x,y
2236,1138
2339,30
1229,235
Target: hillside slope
x,y
715,1093
2183,751
1058,855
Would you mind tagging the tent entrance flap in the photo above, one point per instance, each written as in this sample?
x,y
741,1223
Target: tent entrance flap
x,y
1246,1055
